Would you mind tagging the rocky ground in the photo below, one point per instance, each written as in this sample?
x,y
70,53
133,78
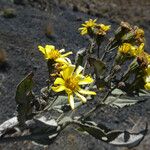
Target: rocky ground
x,y
19,37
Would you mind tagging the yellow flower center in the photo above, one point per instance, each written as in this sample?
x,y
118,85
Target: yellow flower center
x,y
71,83
54,54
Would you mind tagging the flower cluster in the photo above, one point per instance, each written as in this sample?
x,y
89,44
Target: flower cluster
x,y
130,50
133,47
69,78
90,27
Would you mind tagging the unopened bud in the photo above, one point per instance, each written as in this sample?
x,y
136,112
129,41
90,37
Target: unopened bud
x,y
121,85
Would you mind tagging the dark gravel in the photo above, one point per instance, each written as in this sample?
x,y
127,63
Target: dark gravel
x,y
20,36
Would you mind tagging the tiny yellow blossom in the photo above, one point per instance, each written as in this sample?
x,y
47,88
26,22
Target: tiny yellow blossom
x,y
131,50
70,82
102,29
139,33
105,27
51,53
147,78
137,50
127,48
147,74
90,24
60,64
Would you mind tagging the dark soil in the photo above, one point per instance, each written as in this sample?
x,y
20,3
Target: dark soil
x,y
20,36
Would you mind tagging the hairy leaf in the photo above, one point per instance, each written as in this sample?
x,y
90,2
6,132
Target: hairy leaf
x,y
118,92
61,104
114,137
23,88
42,131
80,57
128,36
8,126
99,70
120,102
46,131
24,99
98,65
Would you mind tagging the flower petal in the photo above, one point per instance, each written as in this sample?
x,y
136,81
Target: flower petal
x,y
66,73
83,99
42,49
49,47
147,86
58,88
84,31
62,50
79,70
68,91
71,100
82,91
59,81
86,80
69,61
61,60
66,54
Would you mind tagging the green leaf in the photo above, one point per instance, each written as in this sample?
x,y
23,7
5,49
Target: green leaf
x,y
114,137
43,125
66,107
98,65
65,121
24,99
118,92
41,130
80,57
120,102
61,104
127,36
44,131
144,93
23,88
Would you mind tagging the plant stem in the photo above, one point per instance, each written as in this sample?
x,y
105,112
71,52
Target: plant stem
x,y
105,97
88,52
98,105
98,51
49,106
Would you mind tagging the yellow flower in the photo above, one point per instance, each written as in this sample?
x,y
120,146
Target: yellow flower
x,y
139,33
147,86
102,29
90,24
61,64
139,49
147,78
51,53
127,48
147,73
70,81
131,50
